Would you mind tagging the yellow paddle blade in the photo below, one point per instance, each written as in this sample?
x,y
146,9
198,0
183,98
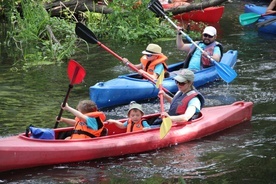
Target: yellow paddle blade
x,y
160,79
165,127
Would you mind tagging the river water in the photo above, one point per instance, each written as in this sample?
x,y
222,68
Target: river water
x,y
241,154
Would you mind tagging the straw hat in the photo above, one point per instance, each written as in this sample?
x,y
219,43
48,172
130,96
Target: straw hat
x,y
152,49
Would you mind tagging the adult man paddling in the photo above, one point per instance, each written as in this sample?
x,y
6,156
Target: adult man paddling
x,y
196,60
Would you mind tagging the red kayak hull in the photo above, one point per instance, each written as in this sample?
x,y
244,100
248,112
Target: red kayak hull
x,y
18,152
208,15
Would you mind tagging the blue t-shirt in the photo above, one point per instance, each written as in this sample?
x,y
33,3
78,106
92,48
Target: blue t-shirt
x,y
92,123
194,64
159,68
195,102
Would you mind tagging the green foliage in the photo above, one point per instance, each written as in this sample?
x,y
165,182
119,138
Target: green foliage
x,y
130,21
40,38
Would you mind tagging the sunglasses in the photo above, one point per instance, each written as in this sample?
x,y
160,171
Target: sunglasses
x,y
149,55
209,36
180,83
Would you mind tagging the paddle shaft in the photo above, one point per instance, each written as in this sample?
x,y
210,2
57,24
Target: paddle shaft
x,y
91,38
63,105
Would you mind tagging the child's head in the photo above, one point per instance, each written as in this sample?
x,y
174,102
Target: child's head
x,y
86,106
135,112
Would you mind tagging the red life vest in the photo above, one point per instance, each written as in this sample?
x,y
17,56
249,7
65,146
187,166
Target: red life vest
x,y
82,131
205,62
132,127
149,66
180,102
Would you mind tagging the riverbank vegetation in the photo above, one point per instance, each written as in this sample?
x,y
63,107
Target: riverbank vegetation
x,y
35,38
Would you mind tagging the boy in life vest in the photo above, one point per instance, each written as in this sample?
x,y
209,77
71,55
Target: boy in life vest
x,y
152,63
197,60
135,121
88,122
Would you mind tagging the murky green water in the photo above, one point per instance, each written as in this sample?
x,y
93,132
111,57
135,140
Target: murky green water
x,y
242,154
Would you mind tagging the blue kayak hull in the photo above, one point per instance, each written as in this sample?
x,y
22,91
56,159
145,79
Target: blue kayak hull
x,y
126,88
251,8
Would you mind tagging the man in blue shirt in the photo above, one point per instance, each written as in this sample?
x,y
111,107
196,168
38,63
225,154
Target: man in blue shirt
x,y
196,60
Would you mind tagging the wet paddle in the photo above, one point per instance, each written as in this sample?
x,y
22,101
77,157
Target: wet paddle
x,y
166,122
224,71
76,74
250,18
83,32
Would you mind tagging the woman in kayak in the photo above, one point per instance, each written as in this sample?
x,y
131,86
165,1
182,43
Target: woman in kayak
x,y
88,122
152,62
135,121
187,102
271,9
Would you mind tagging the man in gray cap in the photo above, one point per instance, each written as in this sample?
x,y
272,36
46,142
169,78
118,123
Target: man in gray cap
x,y
187,102
196,60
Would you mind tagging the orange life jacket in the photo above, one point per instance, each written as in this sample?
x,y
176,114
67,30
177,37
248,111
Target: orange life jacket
x,y
149,66
82,131
132,127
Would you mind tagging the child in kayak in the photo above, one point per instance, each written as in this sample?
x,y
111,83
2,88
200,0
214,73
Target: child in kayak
x,y
135,121
88,122
152,63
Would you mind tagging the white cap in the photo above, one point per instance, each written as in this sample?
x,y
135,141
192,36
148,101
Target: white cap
x,y
210,30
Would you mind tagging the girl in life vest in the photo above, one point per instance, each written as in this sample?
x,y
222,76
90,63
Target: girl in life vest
x,y
152,63
135,121
88,122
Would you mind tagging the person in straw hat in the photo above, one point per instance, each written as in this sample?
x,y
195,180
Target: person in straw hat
x,y
135,121
152,63
197,60
187,102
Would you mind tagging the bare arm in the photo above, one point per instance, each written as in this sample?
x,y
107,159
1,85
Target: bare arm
x,y
183,117
68,121
271,6
75,112
166,96
180,43
117,123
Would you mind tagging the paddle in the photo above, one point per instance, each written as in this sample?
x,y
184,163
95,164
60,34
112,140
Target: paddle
x,y
76,74
224,71
83,32
250,18
266,22
166,122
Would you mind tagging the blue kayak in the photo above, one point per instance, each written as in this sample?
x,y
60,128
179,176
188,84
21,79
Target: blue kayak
x,y
130,87
251,8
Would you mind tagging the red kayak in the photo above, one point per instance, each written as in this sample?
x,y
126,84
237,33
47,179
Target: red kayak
x,y
18,152
209,15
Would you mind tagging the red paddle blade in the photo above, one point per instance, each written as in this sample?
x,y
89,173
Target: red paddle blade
x,y
76,72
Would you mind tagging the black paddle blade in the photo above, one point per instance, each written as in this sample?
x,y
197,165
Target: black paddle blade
x,y
83,32
156,7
